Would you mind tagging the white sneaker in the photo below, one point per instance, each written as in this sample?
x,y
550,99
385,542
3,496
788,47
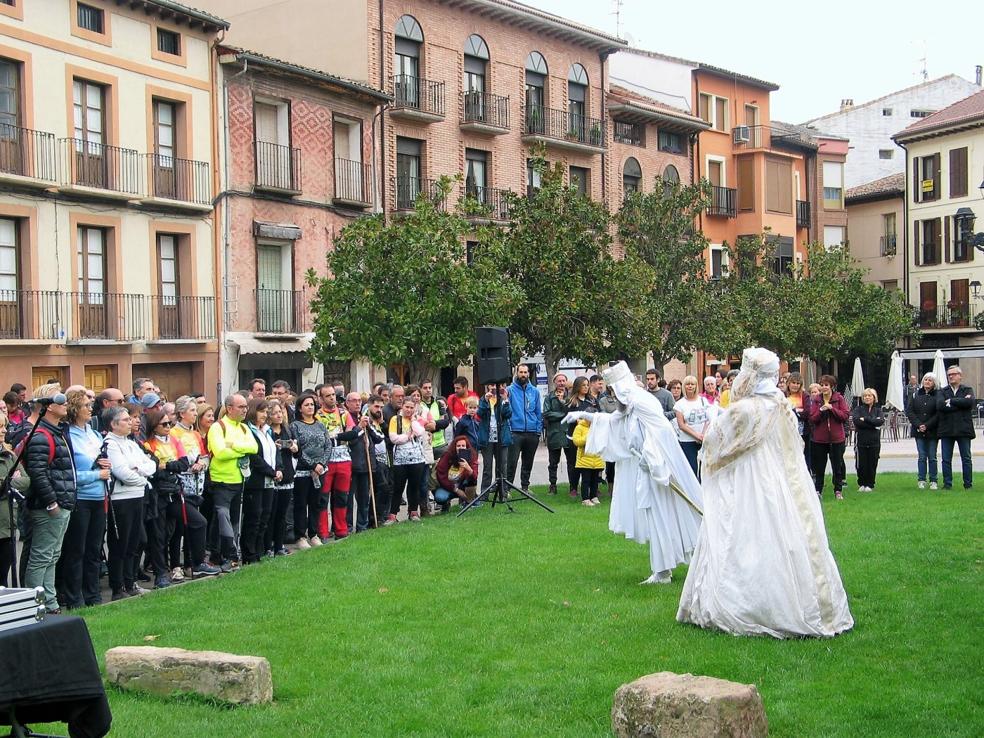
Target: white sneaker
x,y
933,485
177,574
922,485
303,543
315,541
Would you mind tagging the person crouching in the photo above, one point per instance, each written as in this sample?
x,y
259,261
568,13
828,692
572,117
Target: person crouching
x,y
457,473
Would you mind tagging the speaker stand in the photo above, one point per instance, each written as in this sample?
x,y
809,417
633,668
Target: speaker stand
x,y
499,490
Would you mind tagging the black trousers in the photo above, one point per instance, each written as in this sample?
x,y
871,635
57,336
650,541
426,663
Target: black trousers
x,y
257,507
77,574
128,515
382,487
5,559
488,459
307,504
276,531
523,445
835,452
867,462
610,475
359,497
191,534
157,538
553,461
589,483
407,476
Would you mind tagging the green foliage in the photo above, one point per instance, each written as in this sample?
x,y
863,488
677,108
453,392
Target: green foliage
x,y
402,292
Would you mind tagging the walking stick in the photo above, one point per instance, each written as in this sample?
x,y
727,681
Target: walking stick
x,y
372,486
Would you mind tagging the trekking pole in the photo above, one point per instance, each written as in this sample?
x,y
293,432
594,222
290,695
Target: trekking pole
x,y
372,486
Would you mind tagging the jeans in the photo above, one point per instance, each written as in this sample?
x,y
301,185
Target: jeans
x,y
690,449
553,461
524,444
78,568
966,460
359,498
926,448
835,451
49,532
123,538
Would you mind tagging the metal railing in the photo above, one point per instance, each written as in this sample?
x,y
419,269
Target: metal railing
x,y
96,165
408,189
353,181
563,125
628,133
802,214
888,244
486,201
172,178
278,167
723,202
51,315
418,93
953,315
281,311
27,153
486,108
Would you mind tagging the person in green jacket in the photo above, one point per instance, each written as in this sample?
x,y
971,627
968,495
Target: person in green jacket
x,y
554,409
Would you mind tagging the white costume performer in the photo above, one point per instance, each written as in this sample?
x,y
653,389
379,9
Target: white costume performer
x,y
643,445
762,564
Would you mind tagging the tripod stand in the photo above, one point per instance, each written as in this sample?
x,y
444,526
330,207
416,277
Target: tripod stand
x,y
498,490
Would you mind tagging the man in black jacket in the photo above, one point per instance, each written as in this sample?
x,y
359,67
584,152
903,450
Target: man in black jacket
x,y
956,426
51,468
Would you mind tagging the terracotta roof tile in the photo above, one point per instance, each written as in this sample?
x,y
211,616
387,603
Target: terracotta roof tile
x,y
893,184
963,111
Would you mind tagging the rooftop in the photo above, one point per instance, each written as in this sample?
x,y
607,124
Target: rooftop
x,y
968,112
891,186
877,100
708,68
177,12
632,104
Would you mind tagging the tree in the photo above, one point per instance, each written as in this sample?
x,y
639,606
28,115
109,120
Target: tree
x,y
404,292
657,229
579,301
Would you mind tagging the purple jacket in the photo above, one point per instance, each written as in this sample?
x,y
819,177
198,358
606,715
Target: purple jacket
x,y
828,425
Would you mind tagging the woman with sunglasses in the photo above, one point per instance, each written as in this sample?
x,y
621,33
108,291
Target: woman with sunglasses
x,y
166,503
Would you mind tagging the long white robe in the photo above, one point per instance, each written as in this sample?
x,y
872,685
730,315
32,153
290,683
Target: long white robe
x,y
644,447
762,565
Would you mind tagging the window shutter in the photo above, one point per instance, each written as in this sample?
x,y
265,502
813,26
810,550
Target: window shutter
x,y
916,183
958,172
946,239
915,242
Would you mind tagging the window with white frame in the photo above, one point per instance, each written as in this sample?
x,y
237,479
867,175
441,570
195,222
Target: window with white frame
x,y
833,185
719,263
834,236
714,110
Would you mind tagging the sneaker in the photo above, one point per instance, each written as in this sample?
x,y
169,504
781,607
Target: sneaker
x,y
204,570
595,501
136,590
415,517
390,520
226,567
162,582
284,551
587,503
838,495
177,574
121,595
573,492
315,541
268,553
303,543
922,485
143,575
933,485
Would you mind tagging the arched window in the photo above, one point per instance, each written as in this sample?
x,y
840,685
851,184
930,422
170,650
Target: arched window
x,y
406,61
577,102
536,92
476,65
631,175
671,178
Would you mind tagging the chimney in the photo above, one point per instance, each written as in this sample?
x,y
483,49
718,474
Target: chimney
x,y
977,74
847,103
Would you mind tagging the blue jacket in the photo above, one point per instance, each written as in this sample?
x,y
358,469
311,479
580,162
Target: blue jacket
x,y
527,416
503,412
86,445
469,427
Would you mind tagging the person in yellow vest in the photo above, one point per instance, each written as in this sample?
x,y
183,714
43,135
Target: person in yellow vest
x,y
589,465
230,444
725,398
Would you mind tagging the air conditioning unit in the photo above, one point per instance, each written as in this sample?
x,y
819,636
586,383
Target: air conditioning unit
x,y
741,134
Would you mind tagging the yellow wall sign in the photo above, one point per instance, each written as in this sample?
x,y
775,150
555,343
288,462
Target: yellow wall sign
x,y
927,185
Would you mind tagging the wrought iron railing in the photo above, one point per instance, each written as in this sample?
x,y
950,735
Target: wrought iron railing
x,y
278,167
484,107
27,153
723,202
182,317
563,125
353,181
408,189
888,244
172,178
486,201
952,315
628,133
281,311
418,93
96,165
802,214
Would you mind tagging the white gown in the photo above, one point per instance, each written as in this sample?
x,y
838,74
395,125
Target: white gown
x,y
762,564
644,447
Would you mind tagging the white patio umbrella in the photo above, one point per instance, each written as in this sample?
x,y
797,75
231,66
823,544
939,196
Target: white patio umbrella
x,y
939,368
895,395
857,379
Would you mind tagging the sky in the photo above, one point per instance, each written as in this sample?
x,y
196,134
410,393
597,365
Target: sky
x,y
818,53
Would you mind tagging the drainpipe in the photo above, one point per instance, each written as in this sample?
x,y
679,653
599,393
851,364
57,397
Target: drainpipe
x,y
216,188
603,56
905,232
382,119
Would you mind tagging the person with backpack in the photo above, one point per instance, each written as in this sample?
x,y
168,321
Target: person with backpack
x,y
21,484
49,464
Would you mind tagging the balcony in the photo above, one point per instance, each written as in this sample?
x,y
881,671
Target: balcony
x,y
282,311
101,317
483,112
629,133
723,202
178,182
97,169
485,203
406,190
888,244
27,157
563,129
802,214
953,315
417,99
278,168
353,183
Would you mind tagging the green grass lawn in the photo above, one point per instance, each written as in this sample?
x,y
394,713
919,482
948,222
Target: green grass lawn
x,y
524,624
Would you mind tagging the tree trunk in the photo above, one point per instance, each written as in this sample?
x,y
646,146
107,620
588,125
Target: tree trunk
x,y
550,361
421,369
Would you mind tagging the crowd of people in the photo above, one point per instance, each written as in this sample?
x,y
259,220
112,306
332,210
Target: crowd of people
x,y
148,490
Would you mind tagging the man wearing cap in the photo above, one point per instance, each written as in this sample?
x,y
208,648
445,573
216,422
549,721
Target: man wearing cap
x,y
51,468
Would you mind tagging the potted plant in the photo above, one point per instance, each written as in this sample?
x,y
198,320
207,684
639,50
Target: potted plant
x,y
596,134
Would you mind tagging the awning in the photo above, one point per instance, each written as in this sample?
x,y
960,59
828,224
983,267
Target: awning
x,y
280,231
949,354
273,345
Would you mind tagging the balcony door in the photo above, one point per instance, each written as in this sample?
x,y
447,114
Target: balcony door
x,y
476,183
168,286
165,173
351,180
274,166
10,317
409,37
927,303
960,302
91,265
536,92
274,294
473,84
89,110
577,109
408,172
12,157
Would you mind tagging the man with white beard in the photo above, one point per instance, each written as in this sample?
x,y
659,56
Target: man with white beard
x,y
656,497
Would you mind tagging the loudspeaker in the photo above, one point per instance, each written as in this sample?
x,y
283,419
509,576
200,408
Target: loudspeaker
x,y
492,362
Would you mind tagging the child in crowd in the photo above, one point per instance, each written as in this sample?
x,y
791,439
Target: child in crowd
x,y
590,466
469,423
